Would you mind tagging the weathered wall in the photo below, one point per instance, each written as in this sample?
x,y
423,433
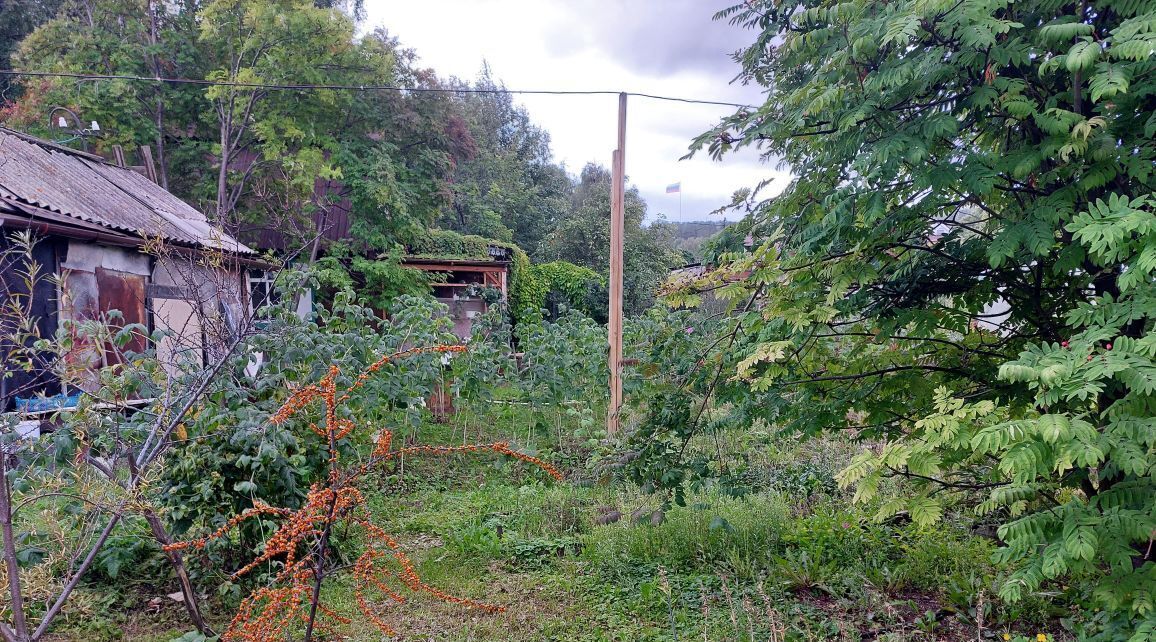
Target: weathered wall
x,y
97,280
199,304
463,312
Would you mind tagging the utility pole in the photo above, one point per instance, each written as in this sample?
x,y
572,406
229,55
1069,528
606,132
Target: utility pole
x,y
617,224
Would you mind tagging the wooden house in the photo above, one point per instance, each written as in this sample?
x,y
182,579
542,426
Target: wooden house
x,y
119,242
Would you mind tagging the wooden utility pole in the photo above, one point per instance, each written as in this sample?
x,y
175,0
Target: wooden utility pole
x,y
617,224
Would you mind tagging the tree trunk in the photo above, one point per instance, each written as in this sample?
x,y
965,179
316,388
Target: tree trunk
x,y
159,111
223,174
178,563
19,623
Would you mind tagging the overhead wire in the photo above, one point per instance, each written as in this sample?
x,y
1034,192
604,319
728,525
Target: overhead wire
x,y
339,87
361,87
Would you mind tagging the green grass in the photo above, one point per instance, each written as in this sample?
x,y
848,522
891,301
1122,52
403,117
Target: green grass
x,y
792,560
725,535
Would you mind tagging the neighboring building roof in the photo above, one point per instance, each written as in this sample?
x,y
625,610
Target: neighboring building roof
x,y
37,175
690,270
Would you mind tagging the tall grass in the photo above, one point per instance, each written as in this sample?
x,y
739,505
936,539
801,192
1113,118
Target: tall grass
x,y
710,534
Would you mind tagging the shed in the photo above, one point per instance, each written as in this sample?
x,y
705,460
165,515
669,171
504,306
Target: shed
x,y
464,285
120,242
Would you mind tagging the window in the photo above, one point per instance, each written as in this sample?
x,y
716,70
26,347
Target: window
x,y
262,291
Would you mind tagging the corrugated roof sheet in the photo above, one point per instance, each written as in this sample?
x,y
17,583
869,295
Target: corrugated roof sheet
x,y
84,187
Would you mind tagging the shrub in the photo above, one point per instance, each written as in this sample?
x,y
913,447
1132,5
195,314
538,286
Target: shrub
x,y
299,552
560,285
564,360
231,456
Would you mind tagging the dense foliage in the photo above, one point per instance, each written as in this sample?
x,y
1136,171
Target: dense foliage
x,y
512,189
583,238
17,20
209,479
962,268
281,167
560,285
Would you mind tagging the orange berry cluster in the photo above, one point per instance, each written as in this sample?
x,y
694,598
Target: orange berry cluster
x,y
300,543
259,508
503,448
271,613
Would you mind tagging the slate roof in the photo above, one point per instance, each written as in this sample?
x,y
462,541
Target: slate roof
x,y
39,175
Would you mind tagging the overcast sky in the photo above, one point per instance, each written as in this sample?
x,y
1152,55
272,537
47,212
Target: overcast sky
x,y
666,47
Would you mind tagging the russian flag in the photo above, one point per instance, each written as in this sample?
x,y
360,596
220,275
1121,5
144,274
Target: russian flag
x,y
674,188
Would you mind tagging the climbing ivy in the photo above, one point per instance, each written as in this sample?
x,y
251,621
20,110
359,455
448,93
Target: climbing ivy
x,y
578,287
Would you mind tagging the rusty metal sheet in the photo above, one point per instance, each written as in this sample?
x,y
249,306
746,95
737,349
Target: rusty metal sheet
x,y
125,292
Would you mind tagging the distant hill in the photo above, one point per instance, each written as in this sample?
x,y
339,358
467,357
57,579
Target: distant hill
x,y
690,235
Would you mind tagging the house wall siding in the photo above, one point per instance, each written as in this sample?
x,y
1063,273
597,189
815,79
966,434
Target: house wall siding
x,y
44,308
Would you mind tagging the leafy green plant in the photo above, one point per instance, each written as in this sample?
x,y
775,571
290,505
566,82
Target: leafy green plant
x,y
559,285
801,479
232,456
840,538
475,540
380,280
541,551
961,275
798,570
563,360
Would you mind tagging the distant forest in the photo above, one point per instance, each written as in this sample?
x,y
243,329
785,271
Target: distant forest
x,y
689,236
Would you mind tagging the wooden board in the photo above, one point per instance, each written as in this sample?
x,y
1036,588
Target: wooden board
x,y
617,223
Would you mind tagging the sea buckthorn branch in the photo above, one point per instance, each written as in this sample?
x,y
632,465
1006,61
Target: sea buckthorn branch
x,y
501,447
259,508
291,601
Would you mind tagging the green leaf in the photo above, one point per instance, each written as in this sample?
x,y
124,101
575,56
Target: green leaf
x,y
1054,428
1081,544
1108,81
1082,55
1065,31
720,523
925,511
246,487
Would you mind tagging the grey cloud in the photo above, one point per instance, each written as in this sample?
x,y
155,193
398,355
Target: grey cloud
x,y
683,124
652,36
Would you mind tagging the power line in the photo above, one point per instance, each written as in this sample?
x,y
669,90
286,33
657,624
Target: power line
x,y
309,87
